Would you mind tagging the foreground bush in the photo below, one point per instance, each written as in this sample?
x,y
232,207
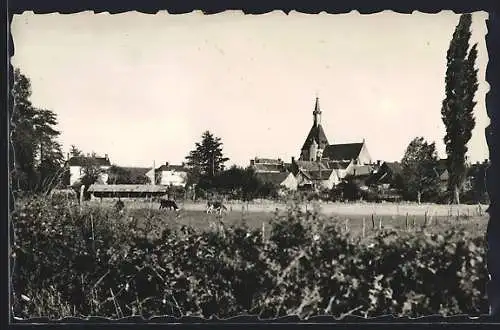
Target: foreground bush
x,y
72,262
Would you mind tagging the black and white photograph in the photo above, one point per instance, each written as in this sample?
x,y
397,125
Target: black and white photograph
x,y
273,165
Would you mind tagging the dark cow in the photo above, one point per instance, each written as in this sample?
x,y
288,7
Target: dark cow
x,y
168,204
119,205
215,206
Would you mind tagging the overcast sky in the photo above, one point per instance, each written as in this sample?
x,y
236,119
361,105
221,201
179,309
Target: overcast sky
x,y
144,87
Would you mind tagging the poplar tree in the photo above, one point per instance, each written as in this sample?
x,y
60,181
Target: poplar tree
x,y
458,105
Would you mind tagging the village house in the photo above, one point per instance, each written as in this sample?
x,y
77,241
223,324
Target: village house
x,y
169,175
77,165
389,175
441,171
315,175
266,165
283,181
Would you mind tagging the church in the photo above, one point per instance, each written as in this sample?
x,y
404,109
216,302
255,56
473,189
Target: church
x,y
325,165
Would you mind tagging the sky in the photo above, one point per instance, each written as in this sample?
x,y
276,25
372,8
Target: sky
x,y
143,88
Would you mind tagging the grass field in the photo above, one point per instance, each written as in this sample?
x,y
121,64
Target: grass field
x,y
352,217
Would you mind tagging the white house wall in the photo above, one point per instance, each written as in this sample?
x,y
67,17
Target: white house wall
x,y
76,173
290,182
173,178
364,156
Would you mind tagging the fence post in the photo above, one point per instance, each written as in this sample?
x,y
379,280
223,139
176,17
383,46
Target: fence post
x,y
425,219
263,231
406,221
364,228
380,223
346,225
373,222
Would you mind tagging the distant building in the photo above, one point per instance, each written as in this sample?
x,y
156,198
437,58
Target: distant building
x,y
317,148
266,165
388,175
99,191
281,180
316,175
77,165
441,171
169,175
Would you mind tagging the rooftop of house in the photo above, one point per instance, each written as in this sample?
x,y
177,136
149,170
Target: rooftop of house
x,y
268,167
269,161
171,167
345,151
84,160
274,178
394,167
336,165
318,175
362,170
126,188
308,165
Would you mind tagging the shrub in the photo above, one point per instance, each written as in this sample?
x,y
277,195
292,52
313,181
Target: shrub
x,y
95,261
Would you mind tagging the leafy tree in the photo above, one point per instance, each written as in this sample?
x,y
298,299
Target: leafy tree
x,y
207,158
36,153
121,175
419,164
458,105
479,192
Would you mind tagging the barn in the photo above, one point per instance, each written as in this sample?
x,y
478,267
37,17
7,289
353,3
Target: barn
x,y
126,191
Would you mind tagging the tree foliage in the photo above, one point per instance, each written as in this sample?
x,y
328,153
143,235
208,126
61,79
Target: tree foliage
x,y
121,175
419,169
207,157
37,154
458,105
69,261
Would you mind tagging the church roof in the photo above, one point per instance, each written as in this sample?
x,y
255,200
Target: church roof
x,y
315,134
346,151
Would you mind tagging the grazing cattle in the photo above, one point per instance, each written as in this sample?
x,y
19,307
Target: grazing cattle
x,y
119,205
215,206
168,204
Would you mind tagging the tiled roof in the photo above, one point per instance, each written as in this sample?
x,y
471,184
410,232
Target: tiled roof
x,y
311,165
336,165
346,151
274,178
82,161
320,175
126,188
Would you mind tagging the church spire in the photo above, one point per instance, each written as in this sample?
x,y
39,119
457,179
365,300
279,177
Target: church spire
x,y
317,113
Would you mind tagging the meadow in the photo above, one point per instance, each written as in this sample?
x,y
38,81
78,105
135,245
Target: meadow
x,y
359,219
73,260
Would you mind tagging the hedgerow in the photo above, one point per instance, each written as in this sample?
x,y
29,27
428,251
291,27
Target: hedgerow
x,y
98,262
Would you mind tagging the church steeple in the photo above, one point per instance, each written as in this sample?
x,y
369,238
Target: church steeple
x,y
317,113
316,139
